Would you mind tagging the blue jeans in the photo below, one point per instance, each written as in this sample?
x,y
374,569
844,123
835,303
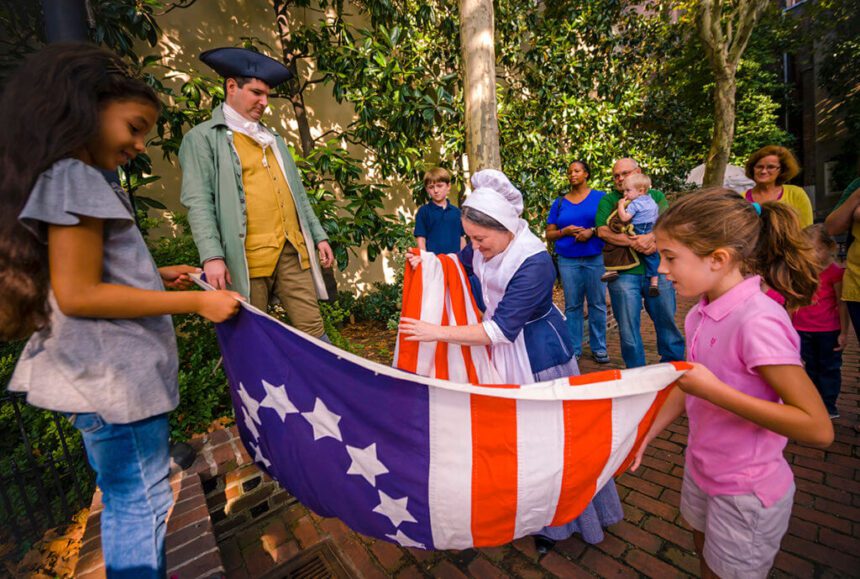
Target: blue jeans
x,y
627,293
132,462
652,262
823,364
580,278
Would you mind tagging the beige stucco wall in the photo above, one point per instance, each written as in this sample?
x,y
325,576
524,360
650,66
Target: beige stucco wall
x,y
212,23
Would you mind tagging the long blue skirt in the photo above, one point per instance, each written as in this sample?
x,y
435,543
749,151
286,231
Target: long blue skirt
x,y
605,508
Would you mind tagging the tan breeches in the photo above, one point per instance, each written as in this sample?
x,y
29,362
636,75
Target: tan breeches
x,y
295,288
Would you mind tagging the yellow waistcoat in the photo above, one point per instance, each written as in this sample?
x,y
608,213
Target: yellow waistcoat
x,y
271,213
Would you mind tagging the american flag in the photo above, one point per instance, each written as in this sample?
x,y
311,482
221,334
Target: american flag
x,y
423,461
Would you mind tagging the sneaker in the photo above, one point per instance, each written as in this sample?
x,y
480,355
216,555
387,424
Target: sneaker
x,y
609,276
653,291
600,357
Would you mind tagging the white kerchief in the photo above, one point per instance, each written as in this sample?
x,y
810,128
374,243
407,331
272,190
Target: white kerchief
x,y
253,129
494,204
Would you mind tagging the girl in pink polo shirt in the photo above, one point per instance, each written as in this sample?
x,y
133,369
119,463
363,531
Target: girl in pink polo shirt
x,y
747,390
823,325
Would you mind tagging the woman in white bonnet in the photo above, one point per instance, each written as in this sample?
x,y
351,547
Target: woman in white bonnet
x,y
529,338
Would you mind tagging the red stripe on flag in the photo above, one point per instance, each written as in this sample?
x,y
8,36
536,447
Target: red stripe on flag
x,y
587,445
494,470
413,290
454,284
441,363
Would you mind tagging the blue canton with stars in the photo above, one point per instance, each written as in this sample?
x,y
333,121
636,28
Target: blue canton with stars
x,y
345,441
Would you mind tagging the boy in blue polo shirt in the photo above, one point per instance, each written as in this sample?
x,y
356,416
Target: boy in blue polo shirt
x,y
438,228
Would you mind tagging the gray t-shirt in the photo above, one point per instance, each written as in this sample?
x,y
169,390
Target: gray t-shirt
x,y
123,369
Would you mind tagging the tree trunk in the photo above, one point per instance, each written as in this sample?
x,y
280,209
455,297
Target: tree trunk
x,y
296,96
479,83
725,35
724,130
65,20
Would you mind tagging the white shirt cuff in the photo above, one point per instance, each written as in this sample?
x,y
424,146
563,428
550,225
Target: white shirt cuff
x,y
495,333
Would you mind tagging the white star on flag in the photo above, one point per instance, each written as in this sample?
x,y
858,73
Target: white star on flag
x,y
258,456
252,405
365,463
394,509
323,421
249,424
404,540
278,400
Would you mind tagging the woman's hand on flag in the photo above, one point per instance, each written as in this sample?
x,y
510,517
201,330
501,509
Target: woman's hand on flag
x,y
418,331
414,260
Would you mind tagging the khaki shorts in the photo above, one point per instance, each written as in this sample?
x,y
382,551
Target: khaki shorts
x,y
742,537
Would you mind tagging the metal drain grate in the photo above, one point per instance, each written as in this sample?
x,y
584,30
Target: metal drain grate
x,y
318,562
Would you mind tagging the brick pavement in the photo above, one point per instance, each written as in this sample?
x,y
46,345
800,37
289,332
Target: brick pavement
x,y
652,540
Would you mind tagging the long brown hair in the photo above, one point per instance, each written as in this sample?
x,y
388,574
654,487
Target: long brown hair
x,y
772,244
49,110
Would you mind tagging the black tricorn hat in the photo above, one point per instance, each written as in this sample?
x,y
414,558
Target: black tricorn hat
x,y
232,62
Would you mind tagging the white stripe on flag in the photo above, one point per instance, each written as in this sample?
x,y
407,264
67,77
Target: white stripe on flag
x,y
540,463
484,368
432,284
457,371
450,481
627,413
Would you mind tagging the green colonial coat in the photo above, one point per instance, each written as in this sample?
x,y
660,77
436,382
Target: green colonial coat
x,y
212,191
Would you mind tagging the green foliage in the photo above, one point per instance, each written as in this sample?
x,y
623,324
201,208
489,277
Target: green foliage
x,y
400,74
381,304
20,28
334,315
178,248
203,391
575,78
589,79
29,462
680,104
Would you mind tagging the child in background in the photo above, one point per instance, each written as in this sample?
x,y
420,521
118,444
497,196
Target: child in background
x,y
641,210
77,272
747,390
823,326
438,228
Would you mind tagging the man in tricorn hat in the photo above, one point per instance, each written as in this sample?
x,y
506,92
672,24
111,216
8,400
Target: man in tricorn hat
x,y
249,214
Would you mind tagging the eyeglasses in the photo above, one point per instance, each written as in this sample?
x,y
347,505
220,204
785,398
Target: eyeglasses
x,y
617,176
767,167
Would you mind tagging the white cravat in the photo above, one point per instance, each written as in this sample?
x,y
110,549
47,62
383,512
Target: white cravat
x,y
236,122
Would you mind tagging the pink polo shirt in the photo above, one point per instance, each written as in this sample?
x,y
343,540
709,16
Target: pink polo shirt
x,y
727,454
